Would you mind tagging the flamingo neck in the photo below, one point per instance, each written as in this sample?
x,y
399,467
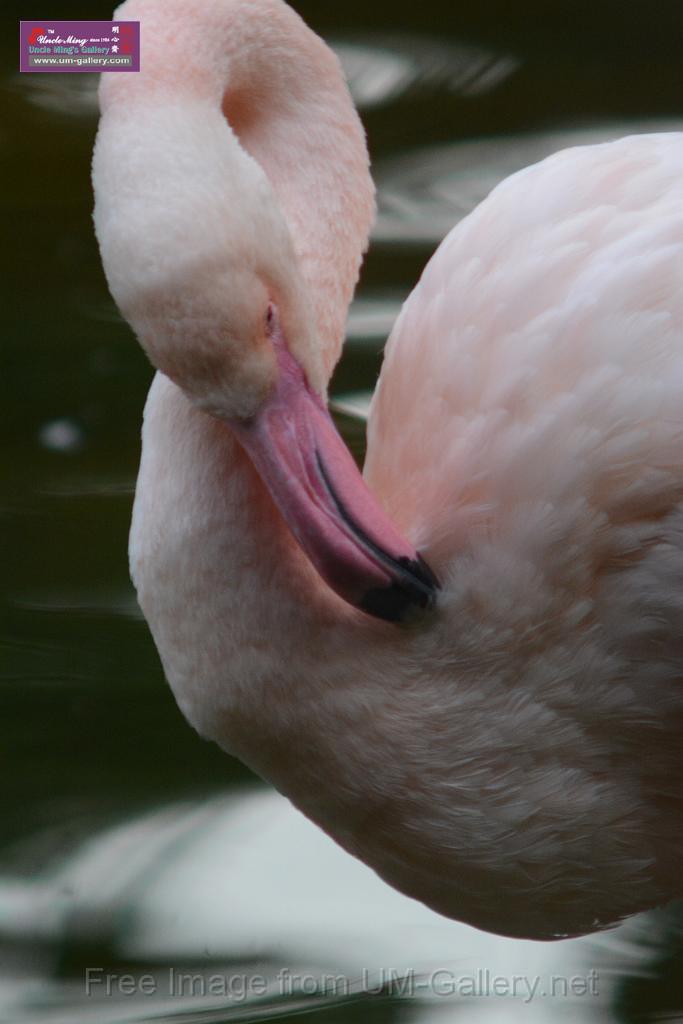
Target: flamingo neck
x,y
283,93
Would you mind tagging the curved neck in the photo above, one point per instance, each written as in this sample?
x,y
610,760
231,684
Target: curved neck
x,y
282,92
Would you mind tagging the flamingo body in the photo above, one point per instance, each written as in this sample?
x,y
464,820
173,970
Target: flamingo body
x,y
511,757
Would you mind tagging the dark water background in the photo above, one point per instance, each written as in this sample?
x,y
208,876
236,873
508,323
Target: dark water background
x,y
453,96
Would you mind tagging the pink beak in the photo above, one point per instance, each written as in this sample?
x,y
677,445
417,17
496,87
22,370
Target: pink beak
x,y
321,494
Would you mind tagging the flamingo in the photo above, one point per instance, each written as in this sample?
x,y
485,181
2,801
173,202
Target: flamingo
x,y
465,664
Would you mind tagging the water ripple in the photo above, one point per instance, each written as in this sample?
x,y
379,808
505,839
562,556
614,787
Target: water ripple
x,y
423,193
380,72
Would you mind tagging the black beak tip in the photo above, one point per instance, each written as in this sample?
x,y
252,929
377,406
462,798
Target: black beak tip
x,y
413,587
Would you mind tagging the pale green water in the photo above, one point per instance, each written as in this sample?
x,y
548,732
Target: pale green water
x,y
453,98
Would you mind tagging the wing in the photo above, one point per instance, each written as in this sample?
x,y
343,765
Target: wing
x,y
532,385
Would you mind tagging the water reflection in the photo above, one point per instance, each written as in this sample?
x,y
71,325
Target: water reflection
x,y
371,318
382,71
72,95
423,193
239,901
61,435
354,404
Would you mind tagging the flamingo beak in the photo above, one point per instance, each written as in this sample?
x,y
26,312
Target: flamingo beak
x,y
314,481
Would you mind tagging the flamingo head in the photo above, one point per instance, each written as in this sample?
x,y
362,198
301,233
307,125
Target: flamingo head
x,y
200,260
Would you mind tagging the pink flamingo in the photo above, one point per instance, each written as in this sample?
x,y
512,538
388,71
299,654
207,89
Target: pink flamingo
x,y
467,666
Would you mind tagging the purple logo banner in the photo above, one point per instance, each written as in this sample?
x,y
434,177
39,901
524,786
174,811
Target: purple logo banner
x,y
46,45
